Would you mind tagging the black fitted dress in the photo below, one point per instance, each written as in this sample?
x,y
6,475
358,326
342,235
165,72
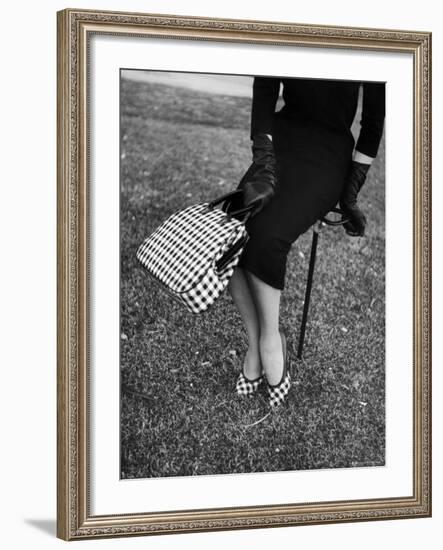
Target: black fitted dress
x,y
313,146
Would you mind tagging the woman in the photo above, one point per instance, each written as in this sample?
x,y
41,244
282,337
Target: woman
x,y
303,164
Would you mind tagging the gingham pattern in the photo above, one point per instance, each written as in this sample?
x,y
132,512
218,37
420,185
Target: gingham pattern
x,y
247,387
278,393
181,254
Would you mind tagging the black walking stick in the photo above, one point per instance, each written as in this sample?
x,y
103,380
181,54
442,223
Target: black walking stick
x,y
317,228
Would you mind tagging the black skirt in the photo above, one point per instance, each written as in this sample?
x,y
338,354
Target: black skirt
x,y
312,163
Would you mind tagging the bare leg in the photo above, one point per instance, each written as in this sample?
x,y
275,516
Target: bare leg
x,y
267,301
241,294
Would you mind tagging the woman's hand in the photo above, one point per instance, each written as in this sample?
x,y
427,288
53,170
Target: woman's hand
x,y
258,183
355,179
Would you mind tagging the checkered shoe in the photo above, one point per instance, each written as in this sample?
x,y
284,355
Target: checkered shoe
x,y
278,393
248,387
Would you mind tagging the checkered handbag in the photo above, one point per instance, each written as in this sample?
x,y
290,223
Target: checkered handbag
x,y
193,253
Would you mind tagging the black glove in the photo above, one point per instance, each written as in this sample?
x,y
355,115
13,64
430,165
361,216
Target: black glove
x,y
258,183
355,179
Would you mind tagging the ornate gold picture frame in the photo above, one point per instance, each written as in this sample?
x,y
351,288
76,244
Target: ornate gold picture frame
x,y
75,519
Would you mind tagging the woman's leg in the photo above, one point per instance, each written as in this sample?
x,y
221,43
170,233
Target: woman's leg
x,y
241,294
267,302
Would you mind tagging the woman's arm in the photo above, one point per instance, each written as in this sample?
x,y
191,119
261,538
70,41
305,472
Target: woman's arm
x,y
258,182
372,120
265,92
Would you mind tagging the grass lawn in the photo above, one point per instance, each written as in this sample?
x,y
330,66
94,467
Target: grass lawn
x,y
179,412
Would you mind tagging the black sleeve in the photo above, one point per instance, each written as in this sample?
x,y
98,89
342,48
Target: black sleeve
x,y
372,118
265,92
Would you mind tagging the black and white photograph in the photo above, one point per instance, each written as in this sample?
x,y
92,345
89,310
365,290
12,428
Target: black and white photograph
x,y
252,274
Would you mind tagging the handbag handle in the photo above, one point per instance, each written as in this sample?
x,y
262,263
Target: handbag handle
x,y
246,210
224,197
